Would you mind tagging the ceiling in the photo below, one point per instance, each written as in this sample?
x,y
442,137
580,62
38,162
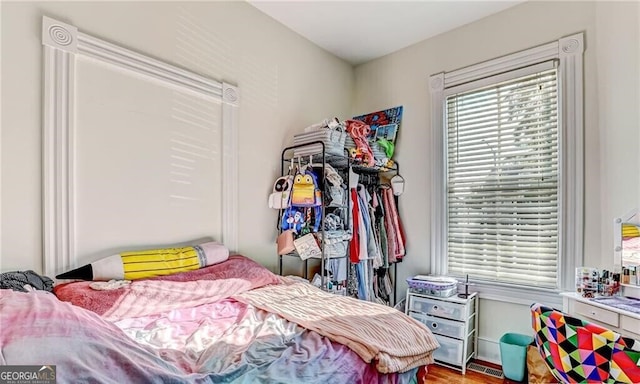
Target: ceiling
x,y
359,31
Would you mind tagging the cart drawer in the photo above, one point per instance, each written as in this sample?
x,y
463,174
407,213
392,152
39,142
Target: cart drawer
x,y
440,308
441,326
450,350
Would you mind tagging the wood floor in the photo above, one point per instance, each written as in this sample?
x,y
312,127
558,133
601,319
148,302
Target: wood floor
x,y
442,375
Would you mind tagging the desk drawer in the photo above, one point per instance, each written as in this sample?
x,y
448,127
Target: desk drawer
x,y
630,324
441,326
599,314
440,308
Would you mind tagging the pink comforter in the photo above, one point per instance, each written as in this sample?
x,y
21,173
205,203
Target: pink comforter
x,y
366,328
164,293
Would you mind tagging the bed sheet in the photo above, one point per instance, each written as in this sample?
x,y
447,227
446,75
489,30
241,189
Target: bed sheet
x,y
38,329
238,343
221,342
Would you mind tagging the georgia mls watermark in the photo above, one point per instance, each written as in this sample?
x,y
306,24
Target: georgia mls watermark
x,y
27,374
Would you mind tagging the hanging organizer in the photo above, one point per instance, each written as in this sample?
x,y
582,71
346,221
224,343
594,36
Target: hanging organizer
x,y
330,241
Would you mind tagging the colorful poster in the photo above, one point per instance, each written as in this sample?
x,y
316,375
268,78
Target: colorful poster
x,y
384,124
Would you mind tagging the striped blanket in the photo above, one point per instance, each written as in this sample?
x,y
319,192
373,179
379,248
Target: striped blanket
x,y
375,332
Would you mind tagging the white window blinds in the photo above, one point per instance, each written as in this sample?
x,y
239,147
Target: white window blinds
x,y
502,181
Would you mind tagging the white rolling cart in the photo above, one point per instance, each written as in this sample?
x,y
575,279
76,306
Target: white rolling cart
x,y
454,323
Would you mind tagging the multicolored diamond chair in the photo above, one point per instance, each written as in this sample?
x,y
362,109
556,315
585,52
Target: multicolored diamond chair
x,y
625,363
577,351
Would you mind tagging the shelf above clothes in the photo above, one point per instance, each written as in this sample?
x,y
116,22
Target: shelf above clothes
x,y
341,162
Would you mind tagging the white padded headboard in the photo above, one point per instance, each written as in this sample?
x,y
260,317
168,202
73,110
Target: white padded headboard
x,y
137,153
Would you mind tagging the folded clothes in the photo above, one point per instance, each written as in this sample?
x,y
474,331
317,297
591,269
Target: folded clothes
x,y
21,280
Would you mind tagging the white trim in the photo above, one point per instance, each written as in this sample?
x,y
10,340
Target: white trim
x,y
617,237
438,217
502,64
230,98
499,78
59,35
572,156
121,57
569,51
58,160
62,44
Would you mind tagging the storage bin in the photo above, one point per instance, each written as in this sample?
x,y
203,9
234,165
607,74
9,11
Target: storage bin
x,y
513,355
440,286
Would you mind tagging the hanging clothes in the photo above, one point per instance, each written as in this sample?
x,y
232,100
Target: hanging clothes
x,y
391,233
337,268
354,245
373,244
365,213
394,233
363,280
377,240
384,246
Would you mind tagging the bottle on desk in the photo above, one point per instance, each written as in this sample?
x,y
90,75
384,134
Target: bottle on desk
x,y
630,276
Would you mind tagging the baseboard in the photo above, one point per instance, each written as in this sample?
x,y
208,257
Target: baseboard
x,y
489,350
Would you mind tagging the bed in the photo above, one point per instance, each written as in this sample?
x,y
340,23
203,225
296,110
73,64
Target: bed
x,y
233,322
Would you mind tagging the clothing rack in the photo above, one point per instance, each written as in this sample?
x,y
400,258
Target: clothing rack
x,y
366,176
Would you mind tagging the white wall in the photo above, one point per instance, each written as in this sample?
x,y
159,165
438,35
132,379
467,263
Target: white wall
x,y
286,83
612,124
618,85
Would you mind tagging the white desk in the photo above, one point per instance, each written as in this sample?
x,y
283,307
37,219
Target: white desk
x,y
624,322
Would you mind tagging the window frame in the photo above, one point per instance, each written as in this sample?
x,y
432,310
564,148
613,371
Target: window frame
x,y
569,53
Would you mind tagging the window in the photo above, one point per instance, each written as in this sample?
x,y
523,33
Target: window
x,y
508,169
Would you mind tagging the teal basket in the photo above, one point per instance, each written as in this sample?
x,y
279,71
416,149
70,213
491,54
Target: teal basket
x,y
513,354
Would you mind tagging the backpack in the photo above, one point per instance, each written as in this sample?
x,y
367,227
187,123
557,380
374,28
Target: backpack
x,y
301,220
280,198
305,210
305,191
